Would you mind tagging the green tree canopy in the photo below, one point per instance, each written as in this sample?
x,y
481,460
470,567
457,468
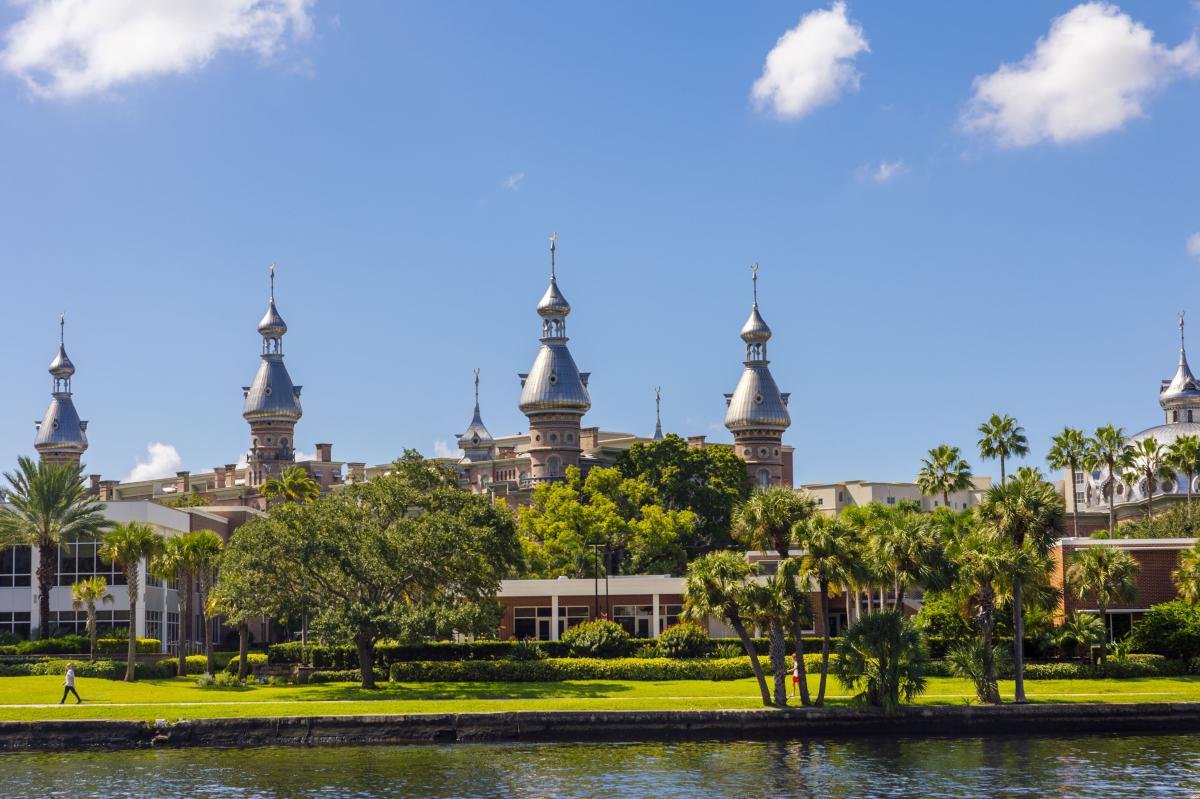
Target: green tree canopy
x,y
623,514
708,481
944,472
402,556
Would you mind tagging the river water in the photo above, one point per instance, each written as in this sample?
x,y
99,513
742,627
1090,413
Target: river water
x,y
1086,766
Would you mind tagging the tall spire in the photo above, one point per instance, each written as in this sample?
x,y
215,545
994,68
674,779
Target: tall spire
x,y
658,433
1180,396
476,443
756,401
61,436
553,249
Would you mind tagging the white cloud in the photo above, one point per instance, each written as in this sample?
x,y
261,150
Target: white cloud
x,y
1193,245
443,450
162,460
69,48
812,64
883,172
305,456
514,181
1089,75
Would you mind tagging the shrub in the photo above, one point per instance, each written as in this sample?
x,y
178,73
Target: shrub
x,y
684,640
292,652
253,661
527,650
103,669
224,679
1171,629
557,669
339,675
597,639
882,657
80,645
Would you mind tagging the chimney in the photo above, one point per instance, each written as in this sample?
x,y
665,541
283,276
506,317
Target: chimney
x,y
587,437
108,490
695,442
357,472
183,482
325,452
93,484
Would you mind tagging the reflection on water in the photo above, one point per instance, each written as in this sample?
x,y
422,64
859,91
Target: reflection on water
x,y
1092,766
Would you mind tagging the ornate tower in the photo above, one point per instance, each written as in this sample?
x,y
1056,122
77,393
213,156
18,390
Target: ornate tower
x,y
476,443
658,434
756,412
1180,396
554,394
61,436
272,405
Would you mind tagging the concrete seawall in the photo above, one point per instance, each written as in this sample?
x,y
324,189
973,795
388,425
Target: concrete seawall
x,y
66,735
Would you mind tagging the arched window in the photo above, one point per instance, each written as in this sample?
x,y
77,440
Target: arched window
x,y
764,477
554,466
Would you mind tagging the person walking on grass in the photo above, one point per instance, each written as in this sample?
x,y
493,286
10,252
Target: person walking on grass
x,y
69,685
796,678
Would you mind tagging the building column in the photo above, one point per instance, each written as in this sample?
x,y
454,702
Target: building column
x,y
139,624
554,617
655,628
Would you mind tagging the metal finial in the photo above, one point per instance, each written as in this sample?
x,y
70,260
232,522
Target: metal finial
x,y
553,247
477,388
754,280
272,281
62,324
1181,314
657,413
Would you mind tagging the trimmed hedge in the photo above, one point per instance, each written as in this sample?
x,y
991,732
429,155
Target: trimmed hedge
x,y
1131,666
557,669
344,675
346,657
79,645
106,669
253,661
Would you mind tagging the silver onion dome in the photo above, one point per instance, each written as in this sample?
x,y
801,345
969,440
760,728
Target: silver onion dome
x,y
1183,390
61,432
553,303
271,395
755,329
272,324
554,382
61,367
757,401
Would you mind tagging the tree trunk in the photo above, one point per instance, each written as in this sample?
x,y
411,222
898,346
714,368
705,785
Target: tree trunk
x,y
47,556
1002,477
735,622
243,649
207,639
1018,644
1149,494
899,596
91,611
1103,608
946,498
1112,496
990,692
823,601
185,611
777,648
131,581
1189,494
366,660
802,686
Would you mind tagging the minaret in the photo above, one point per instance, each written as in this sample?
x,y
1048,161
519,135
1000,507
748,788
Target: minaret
x,y
272,405
61,437
658,434
756,412
476,443
1180,396
554,395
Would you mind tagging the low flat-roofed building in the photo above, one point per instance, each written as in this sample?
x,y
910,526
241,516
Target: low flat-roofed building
x,y
831,498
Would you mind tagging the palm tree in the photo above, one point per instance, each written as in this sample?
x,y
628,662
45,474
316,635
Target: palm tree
x,y
171,565
1024,514
127,545
765,521
1080,629
1152,463
943,472
901,545
1001,437
982,563
86,594
202,550
1105,574
1069,450
882,655
1183,455
1110,448
830,556
1187,576
49,508
716,586
294,484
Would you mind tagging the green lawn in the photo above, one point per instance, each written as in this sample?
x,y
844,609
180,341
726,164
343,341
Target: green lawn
x,y
25,698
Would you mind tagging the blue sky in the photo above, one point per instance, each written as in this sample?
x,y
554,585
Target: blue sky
x,y
933,247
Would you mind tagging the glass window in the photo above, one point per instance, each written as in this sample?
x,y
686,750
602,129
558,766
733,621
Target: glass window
x,y
172,631
669,616
80,559
891,500
15,567
154,624
1078,478
16,623
768,567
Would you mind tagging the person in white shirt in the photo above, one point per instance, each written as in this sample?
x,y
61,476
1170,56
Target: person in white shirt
x,y
69,685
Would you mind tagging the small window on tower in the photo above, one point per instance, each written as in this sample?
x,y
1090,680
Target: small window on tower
x,y
554,438
570,436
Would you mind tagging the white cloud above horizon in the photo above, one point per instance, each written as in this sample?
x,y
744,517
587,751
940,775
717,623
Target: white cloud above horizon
x,y
883,172
1090,74
812,64
162,460
441,449
1193,245
66,49
514,181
